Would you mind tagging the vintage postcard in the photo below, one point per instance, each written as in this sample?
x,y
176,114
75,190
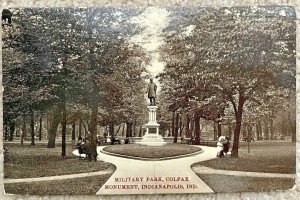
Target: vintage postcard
x,y
149,100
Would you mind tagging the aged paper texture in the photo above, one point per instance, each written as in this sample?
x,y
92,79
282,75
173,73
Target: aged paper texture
x,y
159,94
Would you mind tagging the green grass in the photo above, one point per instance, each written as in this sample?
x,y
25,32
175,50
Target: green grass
x,y
144,151
78,186
38,161
273,157
225,183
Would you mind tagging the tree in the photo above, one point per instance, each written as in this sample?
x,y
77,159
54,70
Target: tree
x,y
74,55
238,53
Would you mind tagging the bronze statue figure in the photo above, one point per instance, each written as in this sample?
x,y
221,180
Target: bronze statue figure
x,y
152,92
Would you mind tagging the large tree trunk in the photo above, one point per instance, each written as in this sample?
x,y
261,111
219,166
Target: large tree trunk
x,y
46,136
187,126
173,123
192,131
54,122
134,130
258,129
6,130
219,129
176,127
197,127
41,125
236,137
123,130
95,90
266,129
80,129
63,130
118,130
141,131
129,129
73,133
237,130
93,124
289,127
215,131
180,126
284,126
112,132
272,129
12,127
23,134
17,129
32,127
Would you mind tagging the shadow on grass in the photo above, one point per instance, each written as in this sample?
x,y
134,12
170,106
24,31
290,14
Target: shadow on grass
x,y
225,183
272,157
77,186
38,161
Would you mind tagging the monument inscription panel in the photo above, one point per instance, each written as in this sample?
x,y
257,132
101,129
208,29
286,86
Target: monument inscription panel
x,y
152,130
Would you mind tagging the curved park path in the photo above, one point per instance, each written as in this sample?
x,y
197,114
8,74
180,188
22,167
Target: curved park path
x,y
134,176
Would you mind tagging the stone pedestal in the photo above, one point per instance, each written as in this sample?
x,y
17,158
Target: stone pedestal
x,y
152,137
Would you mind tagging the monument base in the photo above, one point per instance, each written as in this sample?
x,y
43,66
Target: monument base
x,y
152,140
152,137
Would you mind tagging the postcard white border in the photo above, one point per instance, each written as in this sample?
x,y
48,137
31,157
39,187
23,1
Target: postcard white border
x,y
289,194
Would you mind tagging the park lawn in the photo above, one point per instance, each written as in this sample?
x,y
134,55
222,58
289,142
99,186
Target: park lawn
x,y
269,156
38,161
76,186
226,183
137,150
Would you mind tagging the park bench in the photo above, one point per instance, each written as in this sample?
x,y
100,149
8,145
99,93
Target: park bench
x,y
107,140
204,141
101,140
114,140
185,140
191,141
88,150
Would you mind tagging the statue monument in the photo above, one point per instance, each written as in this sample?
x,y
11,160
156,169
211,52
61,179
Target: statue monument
x,y
152,92
152,137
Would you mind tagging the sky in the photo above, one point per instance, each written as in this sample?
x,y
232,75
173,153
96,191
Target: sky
x,y
152,21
